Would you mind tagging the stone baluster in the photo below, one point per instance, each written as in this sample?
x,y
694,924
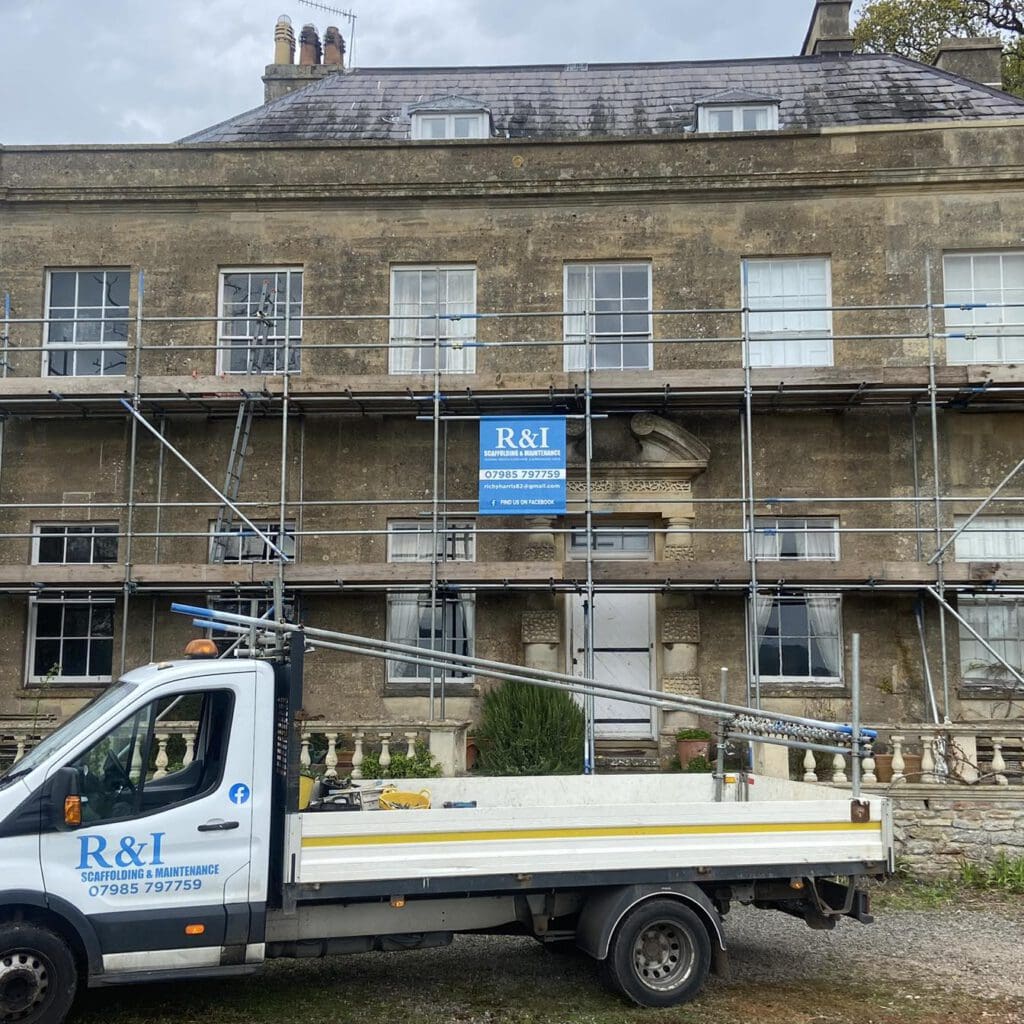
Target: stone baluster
x,y
385,750
839,777
304,759
867,769
357,754
810,766
161,755
190,749
898,764
410,745
331,757
136,761
998,761
21,744
927,757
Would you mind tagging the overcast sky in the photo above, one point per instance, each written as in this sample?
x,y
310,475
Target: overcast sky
x,y
81,71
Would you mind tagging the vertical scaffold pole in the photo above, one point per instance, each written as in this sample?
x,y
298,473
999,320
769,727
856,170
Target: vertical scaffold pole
x,y
855,713
754,683
937,481
132,450
285,404
589,702
436,626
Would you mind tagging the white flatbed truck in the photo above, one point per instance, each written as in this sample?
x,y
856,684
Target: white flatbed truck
x,y
116,874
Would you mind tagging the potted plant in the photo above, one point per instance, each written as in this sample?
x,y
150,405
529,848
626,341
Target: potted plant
x,y
306,779
691,743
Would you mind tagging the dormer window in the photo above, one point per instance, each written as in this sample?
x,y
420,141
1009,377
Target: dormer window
x,y
449,126
738,117
450,117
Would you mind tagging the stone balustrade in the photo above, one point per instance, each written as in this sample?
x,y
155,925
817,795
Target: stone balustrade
x,y
988,754
175,744
446,740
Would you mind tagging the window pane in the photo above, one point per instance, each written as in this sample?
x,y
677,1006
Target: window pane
x,y
720,120
62,289
768,659
755,119
90,288
105,549
51,549
49,615
79,548
76,620
117,288
46,657
795,657
101,657
634,282
75,658
607,283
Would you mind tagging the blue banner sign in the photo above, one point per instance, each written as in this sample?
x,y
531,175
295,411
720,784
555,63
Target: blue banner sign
x,y
522,466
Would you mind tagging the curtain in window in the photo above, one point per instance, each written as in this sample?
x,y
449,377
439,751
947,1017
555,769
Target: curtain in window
x,y
403,628
820,544
763,604
823,617
577,294
405,304
766,541
459,332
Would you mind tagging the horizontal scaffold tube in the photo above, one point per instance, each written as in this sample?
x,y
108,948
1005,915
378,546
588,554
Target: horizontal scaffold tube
x,y
366,644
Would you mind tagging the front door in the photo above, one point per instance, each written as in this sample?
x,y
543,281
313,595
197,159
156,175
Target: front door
x,y
160,863
622,654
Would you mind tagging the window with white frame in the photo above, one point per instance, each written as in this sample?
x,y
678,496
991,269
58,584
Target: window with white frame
x,y
435,125
799,639
1001,622
241,544
984,299
612,542
737,117
412,540
790,323
71,640
74,544
259,308
777,538
609,303
444,624
433,309
990,537
87,332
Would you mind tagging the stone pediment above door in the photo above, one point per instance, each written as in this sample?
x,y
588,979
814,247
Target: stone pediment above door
x,y
646,464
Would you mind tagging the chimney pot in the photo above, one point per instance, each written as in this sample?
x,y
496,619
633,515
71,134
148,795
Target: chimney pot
x,y
310,53
284,41
980,60
829,31
334,47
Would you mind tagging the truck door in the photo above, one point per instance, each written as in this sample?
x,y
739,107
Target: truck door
x,y
160,862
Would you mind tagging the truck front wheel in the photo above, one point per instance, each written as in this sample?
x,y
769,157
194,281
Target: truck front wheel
x,y
660,954
38,976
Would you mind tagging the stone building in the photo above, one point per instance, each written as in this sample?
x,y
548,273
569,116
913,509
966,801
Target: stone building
x,y
780,301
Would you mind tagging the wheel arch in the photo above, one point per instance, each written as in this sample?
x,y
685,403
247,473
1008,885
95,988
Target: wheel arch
x,y
604,911
60,917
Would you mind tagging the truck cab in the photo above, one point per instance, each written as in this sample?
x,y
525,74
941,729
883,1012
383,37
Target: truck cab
x,y
137,864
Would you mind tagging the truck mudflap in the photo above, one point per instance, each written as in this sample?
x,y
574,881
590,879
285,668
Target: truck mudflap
x,y
604,910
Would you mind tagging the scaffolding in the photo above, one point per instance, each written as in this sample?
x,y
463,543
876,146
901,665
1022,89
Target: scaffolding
x,y
588,396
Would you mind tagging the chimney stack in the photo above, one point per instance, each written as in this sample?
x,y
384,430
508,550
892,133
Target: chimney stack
x,y
284,41
980,60
309,47
829,31
334,47
284,75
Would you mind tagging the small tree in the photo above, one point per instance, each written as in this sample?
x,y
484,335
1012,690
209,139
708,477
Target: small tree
x,y
530,730
915,28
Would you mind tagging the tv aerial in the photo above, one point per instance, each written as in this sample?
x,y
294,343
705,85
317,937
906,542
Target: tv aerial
x,y
349,16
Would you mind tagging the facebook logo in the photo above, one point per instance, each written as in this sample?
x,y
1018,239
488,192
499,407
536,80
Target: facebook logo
x,y
238,793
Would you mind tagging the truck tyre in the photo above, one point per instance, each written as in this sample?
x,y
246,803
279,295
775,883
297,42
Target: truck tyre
x,y
659,955
38,976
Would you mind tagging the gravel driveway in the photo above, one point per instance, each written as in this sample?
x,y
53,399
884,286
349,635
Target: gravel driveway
x,y
955,965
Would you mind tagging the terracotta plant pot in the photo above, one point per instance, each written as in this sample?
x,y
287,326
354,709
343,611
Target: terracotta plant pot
x,y
883,767
689,749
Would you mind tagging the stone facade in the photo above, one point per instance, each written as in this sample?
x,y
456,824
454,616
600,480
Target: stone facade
x,y
882,203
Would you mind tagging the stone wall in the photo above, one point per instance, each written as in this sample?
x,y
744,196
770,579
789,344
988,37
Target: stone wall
x,y
936,834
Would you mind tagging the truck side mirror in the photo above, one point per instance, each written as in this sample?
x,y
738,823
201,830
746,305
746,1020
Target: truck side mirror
x,y
64,798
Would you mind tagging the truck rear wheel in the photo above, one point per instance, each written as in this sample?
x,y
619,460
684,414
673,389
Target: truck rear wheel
x,y
660,954
38,976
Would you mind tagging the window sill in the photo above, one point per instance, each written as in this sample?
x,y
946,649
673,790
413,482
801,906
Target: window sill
x,y
810,688
421,688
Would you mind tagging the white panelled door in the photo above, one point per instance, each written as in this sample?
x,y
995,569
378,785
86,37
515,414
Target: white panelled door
x,y
623,653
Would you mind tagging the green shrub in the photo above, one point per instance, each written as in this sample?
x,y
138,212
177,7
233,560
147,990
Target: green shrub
x,y
697,766
422,765
530,730
693,734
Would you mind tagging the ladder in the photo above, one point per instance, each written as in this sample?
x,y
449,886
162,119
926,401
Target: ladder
x,y
232,479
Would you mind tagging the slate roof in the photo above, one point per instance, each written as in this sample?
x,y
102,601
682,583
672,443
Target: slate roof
x,y
566,101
